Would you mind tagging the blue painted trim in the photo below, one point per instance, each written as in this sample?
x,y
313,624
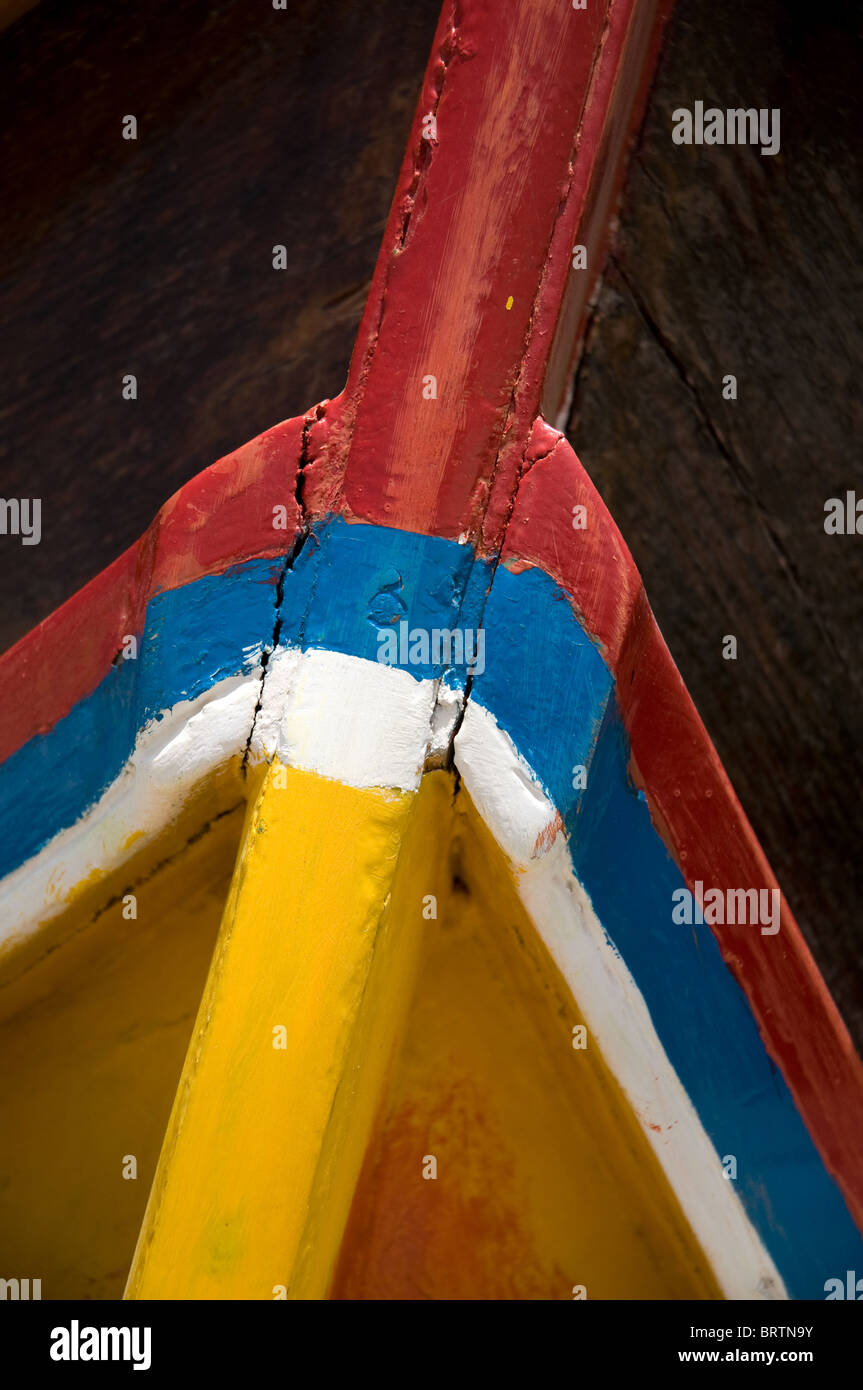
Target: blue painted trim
x,y
548,687
193,637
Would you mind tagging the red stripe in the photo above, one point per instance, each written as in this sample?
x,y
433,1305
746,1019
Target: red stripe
x,y
691,800
223,516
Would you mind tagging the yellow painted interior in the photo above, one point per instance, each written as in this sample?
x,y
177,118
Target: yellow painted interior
x,y
544,1178
30,969
300,1168
92,1038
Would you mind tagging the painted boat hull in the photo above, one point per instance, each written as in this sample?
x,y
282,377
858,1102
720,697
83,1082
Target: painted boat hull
x,y
337,965
431,941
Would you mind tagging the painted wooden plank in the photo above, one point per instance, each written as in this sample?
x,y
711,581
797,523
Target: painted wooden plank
x,y
309,985
531,106
691,799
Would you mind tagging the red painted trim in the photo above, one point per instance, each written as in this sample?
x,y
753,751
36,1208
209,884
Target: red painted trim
x,y
691,800
219,518
613,108
533,103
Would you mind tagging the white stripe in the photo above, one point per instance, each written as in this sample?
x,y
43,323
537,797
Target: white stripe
x,y
172,756
358,722
613,1007
354,721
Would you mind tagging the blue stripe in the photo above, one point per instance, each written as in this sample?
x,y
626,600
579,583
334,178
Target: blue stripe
x,y
544,685
375,579
193,637
548,687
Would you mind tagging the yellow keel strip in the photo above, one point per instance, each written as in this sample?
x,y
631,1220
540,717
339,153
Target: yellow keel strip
x,y
310,980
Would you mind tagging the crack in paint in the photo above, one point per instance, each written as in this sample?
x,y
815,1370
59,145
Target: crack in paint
x,y
448,758
303,534
513,409
423,158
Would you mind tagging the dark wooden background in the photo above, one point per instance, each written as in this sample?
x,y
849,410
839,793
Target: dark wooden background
x,y
259,126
